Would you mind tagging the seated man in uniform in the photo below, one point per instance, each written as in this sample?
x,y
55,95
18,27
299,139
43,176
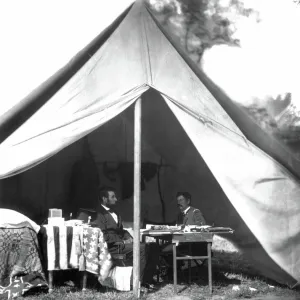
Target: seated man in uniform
x,y
110,222
187,215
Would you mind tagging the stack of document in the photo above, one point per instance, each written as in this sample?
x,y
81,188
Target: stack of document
x,y
220,229
207,228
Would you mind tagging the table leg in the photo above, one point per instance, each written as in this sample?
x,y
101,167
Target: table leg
x,y
157,273
209,267
50,279
190,272
84,280
189,264
175,268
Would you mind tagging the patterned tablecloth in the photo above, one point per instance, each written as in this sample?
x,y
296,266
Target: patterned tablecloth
x,y
83,248
20,261
76,247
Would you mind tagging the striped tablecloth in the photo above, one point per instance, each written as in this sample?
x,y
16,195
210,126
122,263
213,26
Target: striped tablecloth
x,y
76,247
83,248
62,247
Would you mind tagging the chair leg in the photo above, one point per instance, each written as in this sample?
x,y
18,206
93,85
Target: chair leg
x,y
50,279
84,281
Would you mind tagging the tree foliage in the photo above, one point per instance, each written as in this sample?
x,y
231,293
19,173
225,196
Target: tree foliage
x,y
201,24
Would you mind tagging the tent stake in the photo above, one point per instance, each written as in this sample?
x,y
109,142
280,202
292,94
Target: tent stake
x,y
137,196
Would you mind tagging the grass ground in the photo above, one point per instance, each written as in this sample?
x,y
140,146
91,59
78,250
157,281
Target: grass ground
x,y
230,271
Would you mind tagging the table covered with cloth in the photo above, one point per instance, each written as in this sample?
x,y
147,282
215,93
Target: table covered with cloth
x,y
83,248
20,260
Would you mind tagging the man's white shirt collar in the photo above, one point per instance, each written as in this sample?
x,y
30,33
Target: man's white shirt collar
x,y
105,207
186,210
115,217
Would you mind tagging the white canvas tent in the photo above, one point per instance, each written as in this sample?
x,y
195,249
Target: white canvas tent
x,y
75,132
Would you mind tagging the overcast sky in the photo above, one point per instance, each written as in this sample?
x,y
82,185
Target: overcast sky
x,y
268,61
39,37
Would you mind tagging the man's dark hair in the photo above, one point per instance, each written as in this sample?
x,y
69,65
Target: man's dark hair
x,y
103,192
186,195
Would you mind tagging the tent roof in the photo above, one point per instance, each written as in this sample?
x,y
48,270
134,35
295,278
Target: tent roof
x,y
145,58
160,57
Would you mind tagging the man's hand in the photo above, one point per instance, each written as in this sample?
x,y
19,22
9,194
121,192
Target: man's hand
x,y
128,241
127,238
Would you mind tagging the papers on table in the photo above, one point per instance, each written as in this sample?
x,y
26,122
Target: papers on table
x,y
73,222
189,228
165,229
207,228
161,232
162,227
220,229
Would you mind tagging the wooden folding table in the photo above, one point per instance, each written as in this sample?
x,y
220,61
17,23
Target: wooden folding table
x,y
192,237
177,237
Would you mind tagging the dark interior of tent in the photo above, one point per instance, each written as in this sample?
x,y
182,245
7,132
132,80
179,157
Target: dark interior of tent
x,y
70,179
170,163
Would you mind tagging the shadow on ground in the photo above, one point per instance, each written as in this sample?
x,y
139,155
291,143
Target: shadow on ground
x,y
229,263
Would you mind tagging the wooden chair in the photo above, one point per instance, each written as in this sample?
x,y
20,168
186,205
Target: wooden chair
x,y
190,264
159,242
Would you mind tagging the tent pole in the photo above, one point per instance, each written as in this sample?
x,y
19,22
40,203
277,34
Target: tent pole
x,y
137,196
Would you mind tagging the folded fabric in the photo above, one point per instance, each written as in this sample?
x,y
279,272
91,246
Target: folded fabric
x,y
16,225
119,278
18,286
12,217
20,261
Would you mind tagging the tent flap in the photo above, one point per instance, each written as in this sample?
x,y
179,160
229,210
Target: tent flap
x,y
250,179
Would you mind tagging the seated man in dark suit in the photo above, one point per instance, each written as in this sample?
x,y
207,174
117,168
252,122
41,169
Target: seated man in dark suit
x,y
110,222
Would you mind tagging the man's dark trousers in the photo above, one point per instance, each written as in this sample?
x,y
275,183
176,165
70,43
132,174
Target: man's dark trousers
x,y
149,257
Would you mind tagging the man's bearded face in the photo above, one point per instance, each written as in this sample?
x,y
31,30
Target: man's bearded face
x,y
111,200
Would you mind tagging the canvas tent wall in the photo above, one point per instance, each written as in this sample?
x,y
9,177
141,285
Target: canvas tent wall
x,y
184,126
